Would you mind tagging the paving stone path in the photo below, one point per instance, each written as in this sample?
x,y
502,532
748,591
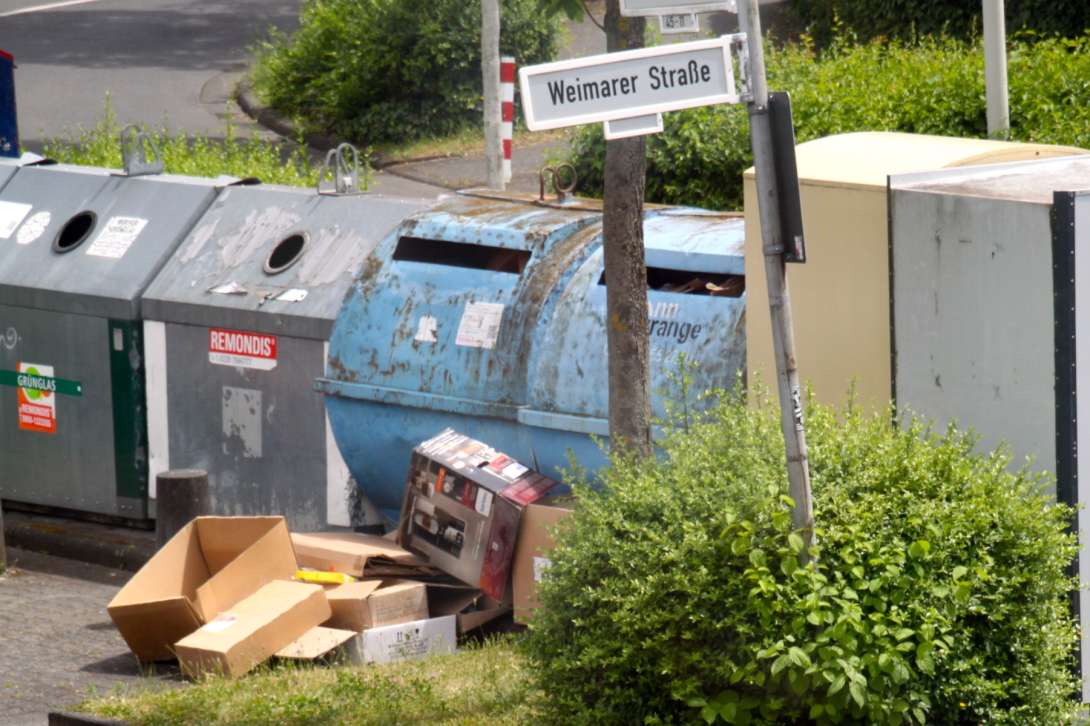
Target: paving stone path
x,y
57,644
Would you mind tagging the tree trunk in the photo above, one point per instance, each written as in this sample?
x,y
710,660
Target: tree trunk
x,y
626,273
490,74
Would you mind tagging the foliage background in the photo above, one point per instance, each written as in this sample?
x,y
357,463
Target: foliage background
x,y
376,71
933,87
912,20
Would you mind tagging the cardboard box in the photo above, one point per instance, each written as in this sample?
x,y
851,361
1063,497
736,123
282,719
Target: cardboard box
x,y
321,641
535,541
410,640
354,554
253,630
209,566
359,606
461,510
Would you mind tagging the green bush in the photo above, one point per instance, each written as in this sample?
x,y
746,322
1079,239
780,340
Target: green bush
x,y
379,71
936,87
939,594
912,19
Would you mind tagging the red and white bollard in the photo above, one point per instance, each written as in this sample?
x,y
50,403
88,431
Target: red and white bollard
x,y
507,128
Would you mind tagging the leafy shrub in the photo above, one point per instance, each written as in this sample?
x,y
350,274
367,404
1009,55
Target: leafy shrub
x,y
392,70
912,19
936,87
939,594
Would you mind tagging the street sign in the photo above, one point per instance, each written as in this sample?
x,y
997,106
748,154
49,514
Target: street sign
x,y
624,128
633,8
631,83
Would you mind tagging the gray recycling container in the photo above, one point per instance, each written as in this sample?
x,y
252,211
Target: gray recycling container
x,y
990,319
236,329
79,247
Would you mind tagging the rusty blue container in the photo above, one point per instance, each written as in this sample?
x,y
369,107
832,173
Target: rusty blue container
x,y
487,313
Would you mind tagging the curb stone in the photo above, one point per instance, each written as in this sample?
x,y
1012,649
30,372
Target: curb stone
x,y
65,718
274,121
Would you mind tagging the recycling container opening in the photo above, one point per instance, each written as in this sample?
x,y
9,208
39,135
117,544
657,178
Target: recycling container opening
x,y
74,232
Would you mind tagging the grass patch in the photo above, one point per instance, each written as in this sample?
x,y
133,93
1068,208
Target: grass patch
x,y
194,154
486,685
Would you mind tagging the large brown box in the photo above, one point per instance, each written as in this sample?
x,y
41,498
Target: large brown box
x,y
463,500
535,542
208,566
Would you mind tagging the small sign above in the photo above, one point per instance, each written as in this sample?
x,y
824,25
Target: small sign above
x,y
631,83
636,8
679,23
639,126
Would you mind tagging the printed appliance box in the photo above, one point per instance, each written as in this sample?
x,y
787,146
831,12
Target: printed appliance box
x,y
463,501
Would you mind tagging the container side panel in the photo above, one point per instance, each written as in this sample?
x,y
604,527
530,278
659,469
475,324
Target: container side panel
x,y
1081,241
73,465
973,319
259,432
130,416
840,297
155,352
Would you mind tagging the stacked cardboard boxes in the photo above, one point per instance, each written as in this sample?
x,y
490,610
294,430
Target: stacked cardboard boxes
x,y
227,593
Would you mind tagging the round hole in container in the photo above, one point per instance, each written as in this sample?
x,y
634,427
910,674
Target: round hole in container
x,y
74,232
286,253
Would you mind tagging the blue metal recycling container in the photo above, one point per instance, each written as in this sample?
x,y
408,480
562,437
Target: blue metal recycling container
x,y
487,314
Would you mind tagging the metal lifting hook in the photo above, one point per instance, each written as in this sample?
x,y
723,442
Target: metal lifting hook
x,y
134,153
562,190
342,165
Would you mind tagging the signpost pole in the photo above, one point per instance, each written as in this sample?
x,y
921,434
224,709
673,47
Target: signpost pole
x,y
768,194
490,75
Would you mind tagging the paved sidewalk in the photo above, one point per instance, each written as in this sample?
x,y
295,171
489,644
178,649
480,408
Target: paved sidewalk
x,y
57,644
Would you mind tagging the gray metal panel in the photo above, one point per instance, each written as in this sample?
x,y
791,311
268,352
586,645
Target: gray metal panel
x,y
972,317
1027,181
228,249
74,467
260,435
33,275
1082,383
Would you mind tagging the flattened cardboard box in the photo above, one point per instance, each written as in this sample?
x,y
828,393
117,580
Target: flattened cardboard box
x,y
209,565
535,542
410,640
359,555
253,630
359,606
463,500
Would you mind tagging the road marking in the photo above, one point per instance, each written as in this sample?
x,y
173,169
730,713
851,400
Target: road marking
x,y
50,6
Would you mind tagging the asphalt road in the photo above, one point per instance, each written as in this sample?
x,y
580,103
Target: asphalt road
x,y
160,61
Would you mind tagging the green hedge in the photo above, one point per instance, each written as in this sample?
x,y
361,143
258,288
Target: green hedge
x,y
939,593
912,19
935,87
375,71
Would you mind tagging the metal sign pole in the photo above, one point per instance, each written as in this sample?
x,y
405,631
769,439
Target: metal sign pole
x,y
768,195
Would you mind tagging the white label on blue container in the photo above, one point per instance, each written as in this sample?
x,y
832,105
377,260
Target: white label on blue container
x,y
480,325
